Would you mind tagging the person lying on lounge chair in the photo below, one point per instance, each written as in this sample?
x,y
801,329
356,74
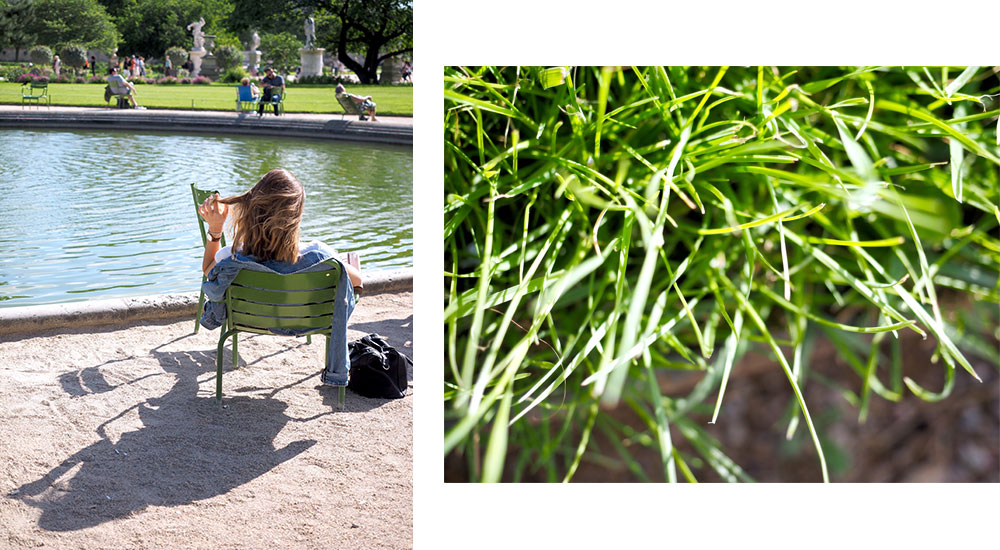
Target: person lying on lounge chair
x,y
365,104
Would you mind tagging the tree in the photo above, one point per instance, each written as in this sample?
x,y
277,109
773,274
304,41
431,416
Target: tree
x,y
177,56
228,56
383,28
378,29
149,27
14,18
80,21
40,55
281,50
73,55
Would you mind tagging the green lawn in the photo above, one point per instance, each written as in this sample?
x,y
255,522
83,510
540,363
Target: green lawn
x,y
391,100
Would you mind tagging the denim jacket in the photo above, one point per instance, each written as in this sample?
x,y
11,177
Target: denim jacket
x,y
310,259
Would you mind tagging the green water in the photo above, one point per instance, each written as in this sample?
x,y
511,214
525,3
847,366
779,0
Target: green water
x,y
95,214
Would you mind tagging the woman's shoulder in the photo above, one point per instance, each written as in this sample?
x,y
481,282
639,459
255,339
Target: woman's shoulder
x,y
319,249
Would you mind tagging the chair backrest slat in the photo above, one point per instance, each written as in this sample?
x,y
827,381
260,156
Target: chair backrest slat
x,y
316,280
258,321
295,301
281,310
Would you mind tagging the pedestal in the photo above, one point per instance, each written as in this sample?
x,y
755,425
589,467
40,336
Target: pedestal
x,y
392,72
196,56
253,61
312,61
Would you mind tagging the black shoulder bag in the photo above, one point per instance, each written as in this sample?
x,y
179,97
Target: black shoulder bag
x,y
377,369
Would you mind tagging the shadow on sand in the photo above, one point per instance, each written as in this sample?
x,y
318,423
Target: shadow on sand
x,y
188,448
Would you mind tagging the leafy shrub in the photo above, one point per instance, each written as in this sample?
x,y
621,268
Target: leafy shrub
x,y
228,57
281,51
80,80
168,80
28,77
97,79
327,79
183,73
40,55
73,55
177,56
186,81
234,74
202,80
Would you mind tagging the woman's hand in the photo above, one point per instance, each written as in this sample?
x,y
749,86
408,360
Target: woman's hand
x,y
214,213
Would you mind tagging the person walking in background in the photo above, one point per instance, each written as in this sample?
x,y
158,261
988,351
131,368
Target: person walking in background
x,y
56,64
93,65
166,65
142,66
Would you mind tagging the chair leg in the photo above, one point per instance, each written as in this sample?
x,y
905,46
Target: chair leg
x,y
340,398
197,315
309,338
218,367
236,353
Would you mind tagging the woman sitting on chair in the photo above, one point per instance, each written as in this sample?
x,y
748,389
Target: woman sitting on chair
x,y
265,237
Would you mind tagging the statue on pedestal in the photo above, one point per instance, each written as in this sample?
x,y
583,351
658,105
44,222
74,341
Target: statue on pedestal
x,y
254,41
310,28
199,36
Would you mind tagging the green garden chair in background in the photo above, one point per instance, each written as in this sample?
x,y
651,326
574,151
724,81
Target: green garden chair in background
x,y
199,197
349,107
35,92
257,301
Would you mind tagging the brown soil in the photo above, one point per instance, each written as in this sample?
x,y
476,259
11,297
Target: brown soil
x,y
112,438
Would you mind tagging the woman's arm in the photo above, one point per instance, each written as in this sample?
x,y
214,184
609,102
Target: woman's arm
x,y
214,213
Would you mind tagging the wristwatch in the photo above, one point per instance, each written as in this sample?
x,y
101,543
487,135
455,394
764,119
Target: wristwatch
x,y
213,238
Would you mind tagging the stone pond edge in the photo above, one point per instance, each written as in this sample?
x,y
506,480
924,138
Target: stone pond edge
x,y
119,311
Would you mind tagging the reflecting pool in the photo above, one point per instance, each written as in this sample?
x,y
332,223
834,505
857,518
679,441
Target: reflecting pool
x,y
93,214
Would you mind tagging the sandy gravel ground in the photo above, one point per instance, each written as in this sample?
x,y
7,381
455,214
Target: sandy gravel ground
x,y
110,437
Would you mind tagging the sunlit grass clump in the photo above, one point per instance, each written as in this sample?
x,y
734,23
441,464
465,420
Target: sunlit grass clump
x,y
604,226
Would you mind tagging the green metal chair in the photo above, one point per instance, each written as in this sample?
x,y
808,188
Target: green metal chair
x,y
245,100
35,92
258,301
199,197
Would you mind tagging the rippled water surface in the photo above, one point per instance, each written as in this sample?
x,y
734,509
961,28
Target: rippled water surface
x,y
99,214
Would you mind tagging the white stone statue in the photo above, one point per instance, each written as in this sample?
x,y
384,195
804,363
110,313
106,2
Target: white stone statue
x,y
310,32
199,36
254,41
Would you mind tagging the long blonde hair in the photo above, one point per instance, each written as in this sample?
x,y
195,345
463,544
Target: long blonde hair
x,y
265,219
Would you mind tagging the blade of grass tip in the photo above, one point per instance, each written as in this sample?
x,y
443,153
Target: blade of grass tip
x,y
602,104
781,234
962,79
584,440
496,449
753,223
871,109
969,143
762,327
637,303
893,241
662,427
956,150
949,385
729,351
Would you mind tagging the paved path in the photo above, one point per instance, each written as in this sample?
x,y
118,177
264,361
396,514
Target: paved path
x,y
389,129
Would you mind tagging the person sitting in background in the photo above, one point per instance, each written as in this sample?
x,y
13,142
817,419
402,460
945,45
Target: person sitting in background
x,y
365,104
273,84
265,237
122,87
254,91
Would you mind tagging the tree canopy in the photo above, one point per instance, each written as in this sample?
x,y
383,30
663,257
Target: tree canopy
x,y
376,29
58,22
